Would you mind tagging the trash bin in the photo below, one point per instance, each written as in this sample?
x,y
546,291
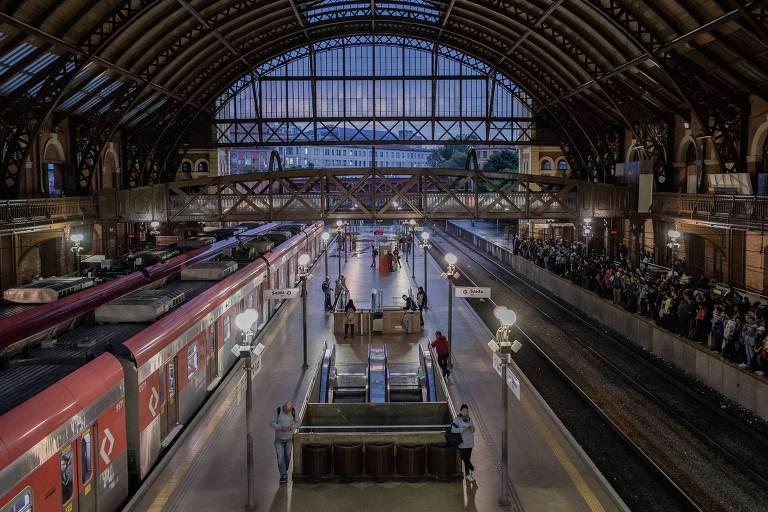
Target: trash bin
x,y
348,460
379,459
411,460
442,460
316,460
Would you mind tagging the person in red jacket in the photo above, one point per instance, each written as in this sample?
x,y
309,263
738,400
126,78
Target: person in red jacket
x,y
443,352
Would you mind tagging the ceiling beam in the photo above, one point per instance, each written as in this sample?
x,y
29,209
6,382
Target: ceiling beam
x,y
74,50
216,33
668,46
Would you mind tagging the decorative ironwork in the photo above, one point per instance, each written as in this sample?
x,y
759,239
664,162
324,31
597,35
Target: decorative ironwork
x,y
393,193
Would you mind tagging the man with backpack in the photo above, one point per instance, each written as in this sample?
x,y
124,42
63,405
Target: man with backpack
x,y
284,423
374,253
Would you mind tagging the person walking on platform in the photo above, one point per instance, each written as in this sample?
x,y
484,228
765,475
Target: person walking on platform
x,y
327,292
341,287
374,253
463,425
396,259
284,423
443,353
349,318
421,302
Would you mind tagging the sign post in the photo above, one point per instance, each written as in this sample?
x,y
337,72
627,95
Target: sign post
x,y
282,293
472,292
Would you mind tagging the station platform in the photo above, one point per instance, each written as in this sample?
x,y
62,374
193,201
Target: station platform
x,y
744,387
205,469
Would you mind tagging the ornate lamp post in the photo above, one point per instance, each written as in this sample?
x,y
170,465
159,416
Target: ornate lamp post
x,y
450,274
341,239
412,224
304,275
507,317
426,246
325,237
244,321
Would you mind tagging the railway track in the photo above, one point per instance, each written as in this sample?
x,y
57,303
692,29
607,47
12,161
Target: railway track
x,y
636,383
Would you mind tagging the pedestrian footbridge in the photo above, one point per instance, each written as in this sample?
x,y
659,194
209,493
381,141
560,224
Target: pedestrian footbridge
x,y
391,193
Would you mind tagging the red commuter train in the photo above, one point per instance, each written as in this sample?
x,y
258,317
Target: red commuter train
x,y
86,417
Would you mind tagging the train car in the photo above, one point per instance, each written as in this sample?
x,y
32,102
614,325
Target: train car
x,y
63,448
179,358
31,325
88,414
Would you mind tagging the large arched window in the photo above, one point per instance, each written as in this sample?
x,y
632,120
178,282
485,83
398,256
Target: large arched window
x,y
379,89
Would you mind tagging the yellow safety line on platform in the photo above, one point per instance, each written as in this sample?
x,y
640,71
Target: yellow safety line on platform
x,y
180,471
581,485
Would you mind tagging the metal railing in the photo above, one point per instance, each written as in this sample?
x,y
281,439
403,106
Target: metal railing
x,y
28,213
730,209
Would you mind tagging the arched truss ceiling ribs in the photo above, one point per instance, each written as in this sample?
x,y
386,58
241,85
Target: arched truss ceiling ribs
x,y
607,63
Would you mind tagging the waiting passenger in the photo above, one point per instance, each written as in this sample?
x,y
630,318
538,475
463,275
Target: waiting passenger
x,y
349,318
421,302
421,298
284,423
341,287
463,425
327,292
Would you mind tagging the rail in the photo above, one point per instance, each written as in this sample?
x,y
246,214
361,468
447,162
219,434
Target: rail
x,y
32,213
743,210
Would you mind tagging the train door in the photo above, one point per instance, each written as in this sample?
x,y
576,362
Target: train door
x,y
211,353
169,411
67,481
85,471
78,493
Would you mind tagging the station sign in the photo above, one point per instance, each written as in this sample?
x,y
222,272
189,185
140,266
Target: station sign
x,y
513,383
473,292
282,293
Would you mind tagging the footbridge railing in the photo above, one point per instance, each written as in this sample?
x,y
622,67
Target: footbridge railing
x,y
390,193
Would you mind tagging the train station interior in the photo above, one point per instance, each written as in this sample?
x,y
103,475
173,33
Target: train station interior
x,y
411,255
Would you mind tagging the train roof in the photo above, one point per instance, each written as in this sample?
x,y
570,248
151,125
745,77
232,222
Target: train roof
x,y
22,427
47,290
145,345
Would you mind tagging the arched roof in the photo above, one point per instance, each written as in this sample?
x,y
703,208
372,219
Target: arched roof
x,y
593,53
590,63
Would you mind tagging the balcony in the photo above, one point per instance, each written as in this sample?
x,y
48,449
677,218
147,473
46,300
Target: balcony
x,y
731,210
33,214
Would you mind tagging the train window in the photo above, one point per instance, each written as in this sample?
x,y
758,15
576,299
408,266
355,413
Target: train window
x,y
227,327
67,475
21,503
171,380
192,360
86,458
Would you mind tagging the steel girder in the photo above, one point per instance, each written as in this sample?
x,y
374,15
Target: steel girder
x,y
391,193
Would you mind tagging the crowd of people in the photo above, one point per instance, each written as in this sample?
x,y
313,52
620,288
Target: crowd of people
x,y
727,323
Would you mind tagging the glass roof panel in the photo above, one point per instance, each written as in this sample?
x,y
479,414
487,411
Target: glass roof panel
x,y
325,10
28,72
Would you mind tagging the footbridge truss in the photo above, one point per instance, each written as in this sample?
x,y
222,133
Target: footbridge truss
x,y
391,193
